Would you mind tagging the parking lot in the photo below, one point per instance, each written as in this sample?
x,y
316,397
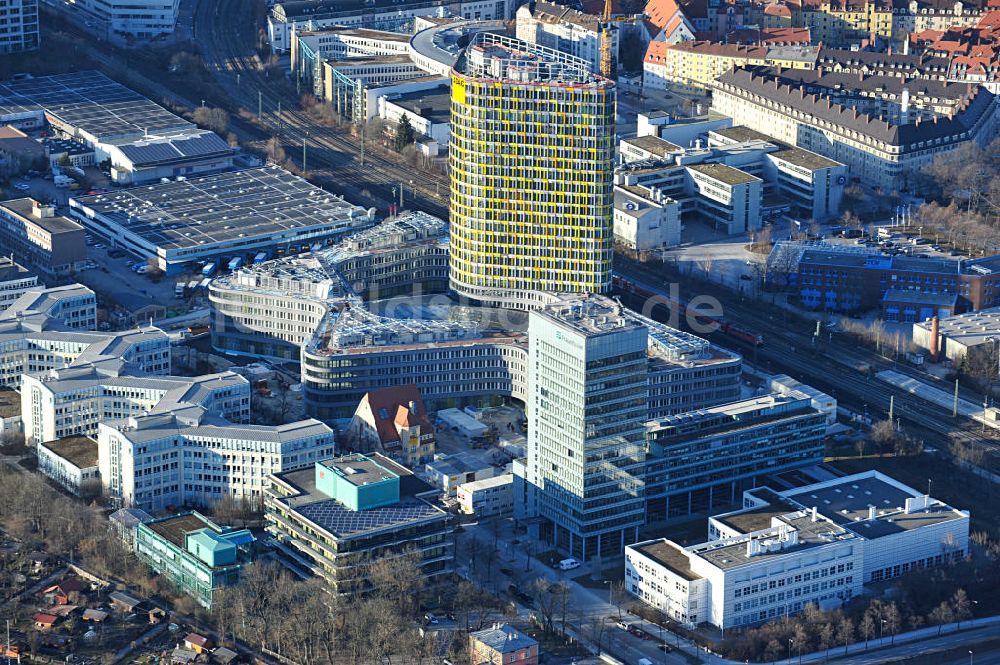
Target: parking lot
x,y
116,282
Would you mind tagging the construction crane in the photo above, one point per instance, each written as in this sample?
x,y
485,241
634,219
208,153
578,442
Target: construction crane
x,y
607,57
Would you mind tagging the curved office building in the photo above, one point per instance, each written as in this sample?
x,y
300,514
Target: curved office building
x,y
531,159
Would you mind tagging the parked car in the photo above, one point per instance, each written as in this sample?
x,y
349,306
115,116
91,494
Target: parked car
x,y
640,633
569,564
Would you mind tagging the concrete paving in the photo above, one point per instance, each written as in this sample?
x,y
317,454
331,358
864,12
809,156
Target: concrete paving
x,y
940,397
593,617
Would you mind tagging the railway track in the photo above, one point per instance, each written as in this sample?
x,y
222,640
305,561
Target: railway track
x,y
790,350
229,55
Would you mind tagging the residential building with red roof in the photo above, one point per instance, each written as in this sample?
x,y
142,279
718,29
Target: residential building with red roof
x,y
394,422
694,65
671,25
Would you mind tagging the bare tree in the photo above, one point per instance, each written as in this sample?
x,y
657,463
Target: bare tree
x,y
826,639
215,119
275,151
845,632
941,615
867,628
961,606
547,598
619,597
892,621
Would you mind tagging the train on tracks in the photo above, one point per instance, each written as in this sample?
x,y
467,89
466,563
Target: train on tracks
x,y
683,311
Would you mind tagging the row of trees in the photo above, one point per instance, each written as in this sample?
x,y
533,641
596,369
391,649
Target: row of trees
x,y
818,630
935,596
41,517
302,621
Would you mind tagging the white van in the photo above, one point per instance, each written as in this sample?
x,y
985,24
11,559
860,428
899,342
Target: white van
x,y
569,564
645,661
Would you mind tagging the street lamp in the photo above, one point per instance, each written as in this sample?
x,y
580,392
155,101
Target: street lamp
x,y
972,622
970,656
790,643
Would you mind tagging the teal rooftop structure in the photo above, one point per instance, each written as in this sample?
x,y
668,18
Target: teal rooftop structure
x,y
358,482
195,553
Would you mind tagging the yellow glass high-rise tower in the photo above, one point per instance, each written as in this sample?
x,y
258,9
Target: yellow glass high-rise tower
x,y
531,160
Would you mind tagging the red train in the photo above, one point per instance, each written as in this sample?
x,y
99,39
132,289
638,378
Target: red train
x,y
635,289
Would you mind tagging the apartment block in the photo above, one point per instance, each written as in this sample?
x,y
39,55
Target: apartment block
x,y
340,514
902,288
566,30
197,555
693,66
274,308
311,48
189,456
19,26
71,462
37,238
15,281
46,330
490,497
645,222
309,308
76,400
704,459
884,128
782,550
741,178
123,23
284,17
72,305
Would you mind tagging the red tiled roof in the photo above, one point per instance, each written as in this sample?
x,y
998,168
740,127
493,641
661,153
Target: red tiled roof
x,y
772,36
990,19
385,405
44,618
656,52
196,639
778,10
661,11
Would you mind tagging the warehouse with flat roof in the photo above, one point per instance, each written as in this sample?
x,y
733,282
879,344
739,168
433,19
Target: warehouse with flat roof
x,y
142,140
220,217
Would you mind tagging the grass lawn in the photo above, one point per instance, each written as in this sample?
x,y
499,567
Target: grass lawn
x,y
957,487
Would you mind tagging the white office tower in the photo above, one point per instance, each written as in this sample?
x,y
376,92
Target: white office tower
x,y
587,393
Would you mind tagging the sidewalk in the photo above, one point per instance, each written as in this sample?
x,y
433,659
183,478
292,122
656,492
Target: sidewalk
x,y
593,603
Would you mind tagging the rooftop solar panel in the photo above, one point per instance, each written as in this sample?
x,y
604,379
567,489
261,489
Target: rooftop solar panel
x,y
90,101
266,201
149,153
204,144
342,522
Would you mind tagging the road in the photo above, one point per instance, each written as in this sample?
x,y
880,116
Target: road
x,y
827,363
226,35
592,617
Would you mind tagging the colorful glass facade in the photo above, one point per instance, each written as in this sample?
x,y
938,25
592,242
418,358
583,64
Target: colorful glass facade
x,y
531,160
